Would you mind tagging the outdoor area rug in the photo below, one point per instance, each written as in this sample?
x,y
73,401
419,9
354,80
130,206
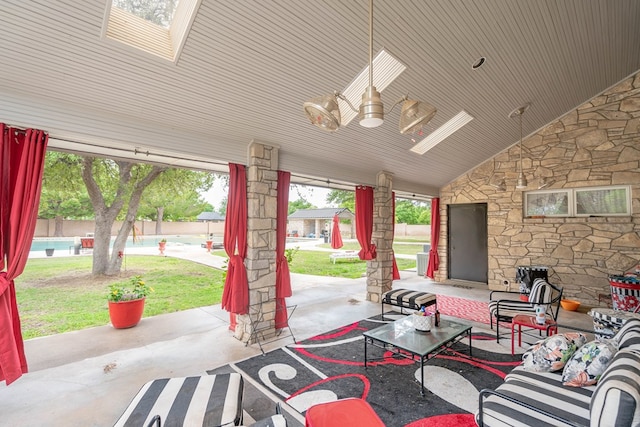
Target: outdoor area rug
x,y
330,366
476,311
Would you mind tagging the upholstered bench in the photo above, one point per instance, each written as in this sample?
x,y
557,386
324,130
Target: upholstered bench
x,y
407,298
208,400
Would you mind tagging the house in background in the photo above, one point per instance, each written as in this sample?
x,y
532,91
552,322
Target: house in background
x,y
315,222
210,216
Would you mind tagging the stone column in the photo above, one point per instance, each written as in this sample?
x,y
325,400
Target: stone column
x,y
262,181
380,270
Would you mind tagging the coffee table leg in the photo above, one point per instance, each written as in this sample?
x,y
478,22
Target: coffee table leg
x,y
470,346
422,376
365,353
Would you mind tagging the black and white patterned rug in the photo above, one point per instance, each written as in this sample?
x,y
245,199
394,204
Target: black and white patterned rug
x,y
330,366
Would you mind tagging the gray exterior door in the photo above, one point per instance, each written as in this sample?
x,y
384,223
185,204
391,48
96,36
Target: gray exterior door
x,y
468,257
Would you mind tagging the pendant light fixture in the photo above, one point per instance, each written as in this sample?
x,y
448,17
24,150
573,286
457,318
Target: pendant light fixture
x,y
521,183
371,109
324,111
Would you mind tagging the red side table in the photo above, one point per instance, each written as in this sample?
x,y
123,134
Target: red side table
x,y
350,412
530,322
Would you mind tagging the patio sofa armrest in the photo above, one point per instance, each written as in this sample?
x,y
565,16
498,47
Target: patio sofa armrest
x,y
525,410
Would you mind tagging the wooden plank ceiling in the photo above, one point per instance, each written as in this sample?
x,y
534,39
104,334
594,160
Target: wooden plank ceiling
x,y
247,67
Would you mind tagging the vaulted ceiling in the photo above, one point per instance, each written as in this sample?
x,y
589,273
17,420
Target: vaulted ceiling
x,y
247,66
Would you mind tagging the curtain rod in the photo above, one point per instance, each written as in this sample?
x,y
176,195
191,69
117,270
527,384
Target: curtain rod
x,y
327,182
137,151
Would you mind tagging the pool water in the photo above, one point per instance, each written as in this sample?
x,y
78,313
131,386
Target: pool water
x,y
65,243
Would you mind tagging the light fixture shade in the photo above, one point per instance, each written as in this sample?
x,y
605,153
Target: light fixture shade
x,y
414,115
371,109
323,112
522,181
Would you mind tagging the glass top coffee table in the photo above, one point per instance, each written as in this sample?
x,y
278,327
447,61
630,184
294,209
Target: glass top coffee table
x,y
402,339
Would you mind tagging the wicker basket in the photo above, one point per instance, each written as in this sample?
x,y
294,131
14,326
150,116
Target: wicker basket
x,y
422,323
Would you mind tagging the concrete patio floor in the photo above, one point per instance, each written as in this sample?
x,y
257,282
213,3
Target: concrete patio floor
x,y
88,377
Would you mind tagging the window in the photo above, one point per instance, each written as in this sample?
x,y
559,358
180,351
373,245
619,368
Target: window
x,y
603,201
593,201
547,203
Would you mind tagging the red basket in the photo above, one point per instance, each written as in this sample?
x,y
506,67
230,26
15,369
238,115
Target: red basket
x,y
625,293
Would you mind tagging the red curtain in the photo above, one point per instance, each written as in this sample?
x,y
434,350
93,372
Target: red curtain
x,y
336,237
22,162
235,296
283,278
364,222
396,272
435,236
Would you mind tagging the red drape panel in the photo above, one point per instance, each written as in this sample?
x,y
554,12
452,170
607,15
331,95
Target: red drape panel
x,y
364,222
283,277
396,272
235,297
336,237
22,161
434,261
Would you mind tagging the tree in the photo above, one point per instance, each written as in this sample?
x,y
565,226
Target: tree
x,y
343,198
112,185
63,194
412,212
299,204
175,195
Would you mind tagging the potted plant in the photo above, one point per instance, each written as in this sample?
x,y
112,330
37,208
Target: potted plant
x,y
126,302
161,245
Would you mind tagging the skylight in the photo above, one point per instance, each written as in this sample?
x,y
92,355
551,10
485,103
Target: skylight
x,y
443,132
159,12
159,27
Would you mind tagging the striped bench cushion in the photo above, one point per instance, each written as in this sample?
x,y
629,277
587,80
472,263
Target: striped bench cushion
x,y
541,390
408,298
209,400
616,400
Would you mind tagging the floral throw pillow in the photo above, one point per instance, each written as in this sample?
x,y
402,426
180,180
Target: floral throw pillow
x,y
588,363
549,354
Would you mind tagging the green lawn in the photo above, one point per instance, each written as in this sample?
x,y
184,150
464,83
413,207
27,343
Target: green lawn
x,y
318,263
58,295
409,248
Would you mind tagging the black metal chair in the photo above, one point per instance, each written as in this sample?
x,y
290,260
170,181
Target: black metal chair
x,y
505,309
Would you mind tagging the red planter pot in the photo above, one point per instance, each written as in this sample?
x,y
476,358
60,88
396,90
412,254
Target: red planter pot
x,y
126,314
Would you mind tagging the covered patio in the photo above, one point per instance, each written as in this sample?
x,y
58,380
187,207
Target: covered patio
x,y
550,93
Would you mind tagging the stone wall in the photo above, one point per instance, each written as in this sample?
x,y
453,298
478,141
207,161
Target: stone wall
x,y
380,270
596,144
262,194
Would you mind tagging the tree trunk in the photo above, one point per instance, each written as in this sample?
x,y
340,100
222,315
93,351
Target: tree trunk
x,y
160,216
58,226
105,263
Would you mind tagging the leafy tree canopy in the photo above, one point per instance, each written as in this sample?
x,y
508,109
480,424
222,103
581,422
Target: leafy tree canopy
x,y
299,204
412,212
177,192
342,198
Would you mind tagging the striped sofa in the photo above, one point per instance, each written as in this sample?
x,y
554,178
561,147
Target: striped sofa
x,y
539,398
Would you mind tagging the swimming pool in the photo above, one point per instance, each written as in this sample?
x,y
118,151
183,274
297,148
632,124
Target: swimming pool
x,y
66,243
